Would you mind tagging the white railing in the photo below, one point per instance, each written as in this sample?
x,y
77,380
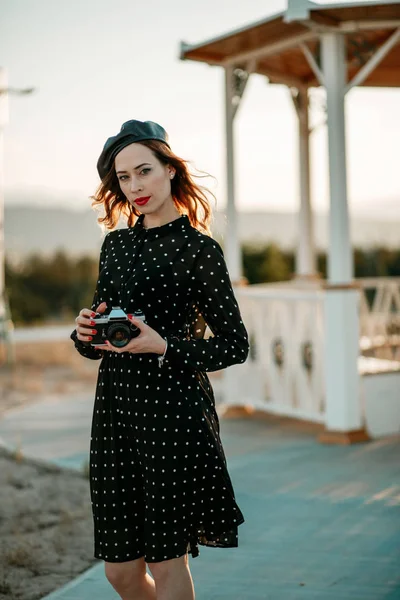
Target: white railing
x,y
380,317
284,372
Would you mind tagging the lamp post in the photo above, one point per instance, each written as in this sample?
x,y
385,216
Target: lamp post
x,y
6,325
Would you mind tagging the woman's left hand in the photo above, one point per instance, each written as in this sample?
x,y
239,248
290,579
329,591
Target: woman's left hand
x,y
147,341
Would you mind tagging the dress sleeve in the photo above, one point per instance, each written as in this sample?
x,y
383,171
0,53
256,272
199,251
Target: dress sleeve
x,y
85,348
216,306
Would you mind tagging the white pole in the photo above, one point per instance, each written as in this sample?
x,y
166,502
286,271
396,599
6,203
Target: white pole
x,y
344,420
313,63
2,249
230,389
340,261
3,122
232,243
305,260
5,319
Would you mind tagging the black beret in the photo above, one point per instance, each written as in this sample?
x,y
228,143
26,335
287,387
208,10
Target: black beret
x,y
131,131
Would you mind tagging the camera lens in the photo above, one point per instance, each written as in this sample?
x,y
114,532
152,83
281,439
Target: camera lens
x,y
119,335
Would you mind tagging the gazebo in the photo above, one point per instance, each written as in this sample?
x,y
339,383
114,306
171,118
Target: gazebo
x,y
337,46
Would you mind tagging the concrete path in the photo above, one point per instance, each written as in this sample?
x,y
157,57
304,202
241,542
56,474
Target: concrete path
x,y
322,522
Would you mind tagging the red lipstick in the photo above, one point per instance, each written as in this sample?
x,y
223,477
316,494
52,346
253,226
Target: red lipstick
x,y
142,201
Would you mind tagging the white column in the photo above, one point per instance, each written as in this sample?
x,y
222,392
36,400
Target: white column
x,y
229,385
231,239
5,319
2,249
340,264
343,407
342,400
305,259
3,122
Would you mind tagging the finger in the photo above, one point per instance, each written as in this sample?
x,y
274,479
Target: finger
x,y
87,312
84,338
86,317
102,307
137,322
130,347
87,328
86,322
114,348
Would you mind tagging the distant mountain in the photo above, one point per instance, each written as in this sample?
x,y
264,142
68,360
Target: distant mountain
x,y
45,229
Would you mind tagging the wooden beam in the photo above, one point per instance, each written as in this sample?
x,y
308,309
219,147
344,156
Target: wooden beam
x,y
374,61
353,26
280,77
323,19
270,49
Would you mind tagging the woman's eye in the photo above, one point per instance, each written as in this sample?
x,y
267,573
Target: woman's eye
x,y
145,171
122,177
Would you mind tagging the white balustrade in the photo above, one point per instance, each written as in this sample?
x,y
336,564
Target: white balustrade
x,y
380,316
284,373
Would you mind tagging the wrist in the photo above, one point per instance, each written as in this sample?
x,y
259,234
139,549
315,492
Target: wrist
x,y
163,347
162,355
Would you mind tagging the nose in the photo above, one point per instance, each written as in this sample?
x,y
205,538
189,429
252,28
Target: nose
x,y
135,185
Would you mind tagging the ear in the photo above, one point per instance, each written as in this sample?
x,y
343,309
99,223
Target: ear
x,y
171,172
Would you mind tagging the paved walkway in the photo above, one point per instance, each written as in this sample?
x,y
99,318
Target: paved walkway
x,y
322,522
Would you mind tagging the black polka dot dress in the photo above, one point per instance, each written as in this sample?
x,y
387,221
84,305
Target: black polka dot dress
x,y
158,474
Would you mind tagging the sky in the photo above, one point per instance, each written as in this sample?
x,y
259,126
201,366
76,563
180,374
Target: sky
x,y
96,64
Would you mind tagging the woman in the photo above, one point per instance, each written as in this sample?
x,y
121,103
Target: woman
x,y
158,474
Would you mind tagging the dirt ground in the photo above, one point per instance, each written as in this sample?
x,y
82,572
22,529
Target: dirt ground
x,y
42,369
46,528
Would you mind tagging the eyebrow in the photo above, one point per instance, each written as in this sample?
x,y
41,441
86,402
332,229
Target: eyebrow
x,y
138,167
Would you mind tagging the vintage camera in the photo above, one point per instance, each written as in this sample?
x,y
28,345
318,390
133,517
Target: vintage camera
x,y
116,328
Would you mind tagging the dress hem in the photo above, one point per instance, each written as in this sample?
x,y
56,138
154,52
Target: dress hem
x,y
192,547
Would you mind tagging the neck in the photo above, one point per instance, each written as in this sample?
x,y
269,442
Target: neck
x,y
161,217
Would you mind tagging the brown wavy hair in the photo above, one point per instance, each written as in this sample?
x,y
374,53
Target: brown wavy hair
x,y
189,198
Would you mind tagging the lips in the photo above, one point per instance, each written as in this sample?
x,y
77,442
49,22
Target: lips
x,y
142,201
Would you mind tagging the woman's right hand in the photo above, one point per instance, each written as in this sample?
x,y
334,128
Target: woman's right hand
x,y
85,324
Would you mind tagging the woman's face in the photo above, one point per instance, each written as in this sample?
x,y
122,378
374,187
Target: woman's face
x,y
141,175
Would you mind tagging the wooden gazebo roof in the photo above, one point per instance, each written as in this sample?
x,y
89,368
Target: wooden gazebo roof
x,y
277,46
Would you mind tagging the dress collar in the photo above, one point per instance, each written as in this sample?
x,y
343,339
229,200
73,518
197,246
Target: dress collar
x,y
174,226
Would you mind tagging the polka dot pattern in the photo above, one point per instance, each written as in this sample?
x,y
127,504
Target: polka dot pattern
x,y
158,474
